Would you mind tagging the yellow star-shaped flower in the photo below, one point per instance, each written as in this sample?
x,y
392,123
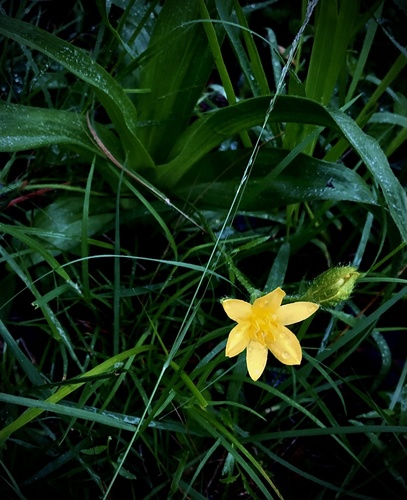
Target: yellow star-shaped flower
x,y
261,326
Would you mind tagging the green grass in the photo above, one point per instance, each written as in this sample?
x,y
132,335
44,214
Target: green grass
x,y
158,157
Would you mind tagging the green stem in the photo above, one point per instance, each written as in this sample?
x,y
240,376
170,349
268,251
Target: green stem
x,y
241,278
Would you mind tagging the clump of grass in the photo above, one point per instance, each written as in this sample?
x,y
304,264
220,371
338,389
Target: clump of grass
x,y
156,160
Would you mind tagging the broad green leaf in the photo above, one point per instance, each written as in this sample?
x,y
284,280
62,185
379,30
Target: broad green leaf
x,y
118,105
376,162
26,127
215,127
175,68
304,179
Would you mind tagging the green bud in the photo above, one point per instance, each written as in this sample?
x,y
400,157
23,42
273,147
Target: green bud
x,y
332,287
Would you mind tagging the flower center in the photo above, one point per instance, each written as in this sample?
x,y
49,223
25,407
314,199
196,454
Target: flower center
x,y
262,329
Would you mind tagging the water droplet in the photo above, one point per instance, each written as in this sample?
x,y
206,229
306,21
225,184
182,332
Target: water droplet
x,y
285,355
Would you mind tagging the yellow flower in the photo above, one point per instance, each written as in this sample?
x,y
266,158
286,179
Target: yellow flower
x,y
261,327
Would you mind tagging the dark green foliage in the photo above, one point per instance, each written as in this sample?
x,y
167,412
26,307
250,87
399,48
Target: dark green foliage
x,y
148,171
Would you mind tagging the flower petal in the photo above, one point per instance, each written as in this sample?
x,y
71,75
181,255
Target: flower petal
x,y
238,339
286,347
298,311
256,359
236,309
269,303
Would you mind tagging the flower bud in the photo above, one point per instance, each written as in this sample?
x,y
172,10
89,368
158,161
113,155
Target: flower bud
x,y
332,287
